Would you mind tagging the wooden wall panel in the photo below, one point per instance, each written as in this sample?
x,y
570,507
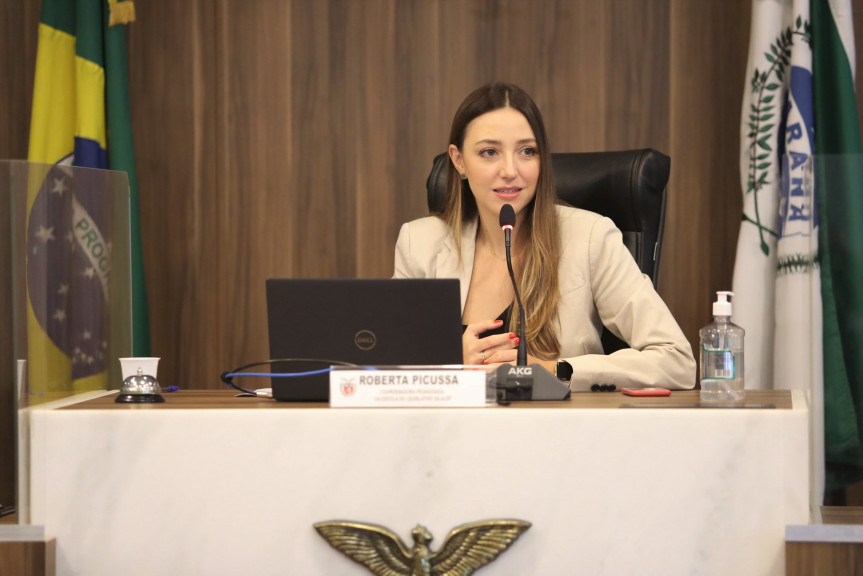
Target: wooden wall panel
x,y
174,97
8,364
573,91
314,124
19,23
255,186
420,105
373,135
637,75
28,558
709,45
823,558
293,138
317,77
19,29
324,117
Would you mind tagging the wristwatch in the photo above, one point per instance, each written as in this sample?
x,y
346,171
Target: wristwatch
x,y
563,370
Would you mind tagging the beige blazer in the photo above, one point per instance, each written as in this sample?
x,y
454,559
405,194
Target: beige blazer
x,y
600,284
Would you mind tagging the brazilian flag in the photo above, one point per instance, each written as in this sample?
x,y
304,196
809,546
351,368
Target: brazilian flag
x,y
80,117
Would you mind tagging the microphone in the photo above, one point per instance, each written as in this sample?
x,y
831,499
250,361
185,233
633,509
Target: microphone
x,y
523,382
507,223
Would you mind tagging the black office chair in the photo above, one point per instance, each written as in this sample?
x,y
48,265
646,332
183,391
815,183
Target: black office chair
x,y
628,186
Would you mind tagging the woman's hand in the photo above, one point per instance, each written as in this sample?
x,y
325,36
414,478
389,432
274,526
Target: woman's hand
x,y
492,350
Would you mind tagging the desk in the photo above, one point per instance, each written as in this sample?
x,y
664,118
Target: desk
x,y
210,484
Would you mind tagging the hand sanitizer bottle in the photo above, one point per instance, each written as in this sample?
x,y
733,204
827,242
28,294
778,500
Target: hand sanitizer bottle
x,y
722,355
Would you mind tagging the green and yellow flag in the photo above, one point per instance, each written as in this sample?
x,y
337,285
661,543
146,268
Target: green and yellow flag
x,y
80,117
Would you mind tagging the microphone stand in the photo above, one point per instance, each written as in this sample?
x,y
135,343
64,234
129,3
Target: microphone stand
x,y
523,382
521,359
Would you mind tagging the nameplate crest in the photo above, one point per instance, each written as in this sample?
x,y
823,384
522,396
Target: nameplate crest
x,y
407,388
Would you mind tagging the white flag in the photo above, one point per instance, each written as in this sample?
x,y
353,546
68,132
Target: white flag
x,y
777,285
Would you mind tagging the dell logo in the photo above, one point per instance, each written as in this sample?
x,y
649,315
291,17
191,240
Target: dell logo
x,y
365,339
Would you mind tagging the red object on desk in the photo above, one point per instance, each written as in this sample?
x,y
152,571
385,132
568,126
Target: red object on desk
x,y
647,392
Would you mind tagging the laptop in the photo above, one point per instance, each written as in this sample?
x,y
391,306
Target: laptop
x,y
358,321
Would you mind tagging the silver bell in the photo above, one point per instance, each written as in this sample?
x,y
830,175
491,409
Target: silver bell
x,y
140,389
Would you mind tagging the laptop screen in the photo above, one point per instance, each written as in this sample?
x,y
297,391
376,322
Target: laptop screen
x,y
359,321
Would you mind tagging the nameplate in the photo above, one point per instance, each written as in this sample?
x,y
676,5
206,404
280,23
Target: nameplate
x,y
407,388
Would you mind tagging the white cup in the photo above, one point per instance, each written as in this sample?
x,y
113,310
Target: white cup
x,y
130,366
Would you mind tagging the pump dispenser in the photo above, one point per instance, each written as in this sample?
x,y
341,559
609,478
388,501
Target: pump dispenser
x,y
722,355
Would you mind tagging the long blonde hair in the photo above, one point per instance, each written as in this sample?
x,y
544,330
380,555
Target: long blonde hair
x,y
537,275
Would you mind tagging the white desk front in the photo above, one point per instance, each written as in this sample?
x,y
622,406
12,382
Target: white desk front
x,y
210,484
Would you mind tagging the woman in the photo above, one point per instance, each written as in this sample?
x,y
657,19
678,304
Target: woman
x,y
573,271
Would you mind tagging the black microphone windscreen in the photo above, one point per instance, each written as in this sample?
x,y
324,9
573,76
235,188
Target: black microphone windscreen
x,y
507,216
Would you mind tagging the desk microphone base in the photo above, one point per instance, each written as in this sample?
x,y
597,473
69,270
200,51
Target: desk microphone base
x,y
515,383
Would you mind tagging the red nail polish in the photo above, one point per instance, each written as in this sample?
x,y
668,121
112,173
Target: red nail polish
x,y
512,336
498,321
486,362
516,341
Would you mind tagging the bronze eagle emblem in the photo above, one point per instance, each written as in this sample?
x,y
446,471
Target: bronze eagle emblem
x,y
466,548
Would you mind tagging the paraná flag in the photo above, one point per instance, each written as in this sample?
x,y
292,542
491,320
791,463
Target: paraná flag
x,y
801,206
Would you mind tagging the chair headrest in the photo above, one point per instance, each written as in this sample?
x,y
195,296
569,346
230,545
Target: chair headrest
x,y
579,176
628,186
